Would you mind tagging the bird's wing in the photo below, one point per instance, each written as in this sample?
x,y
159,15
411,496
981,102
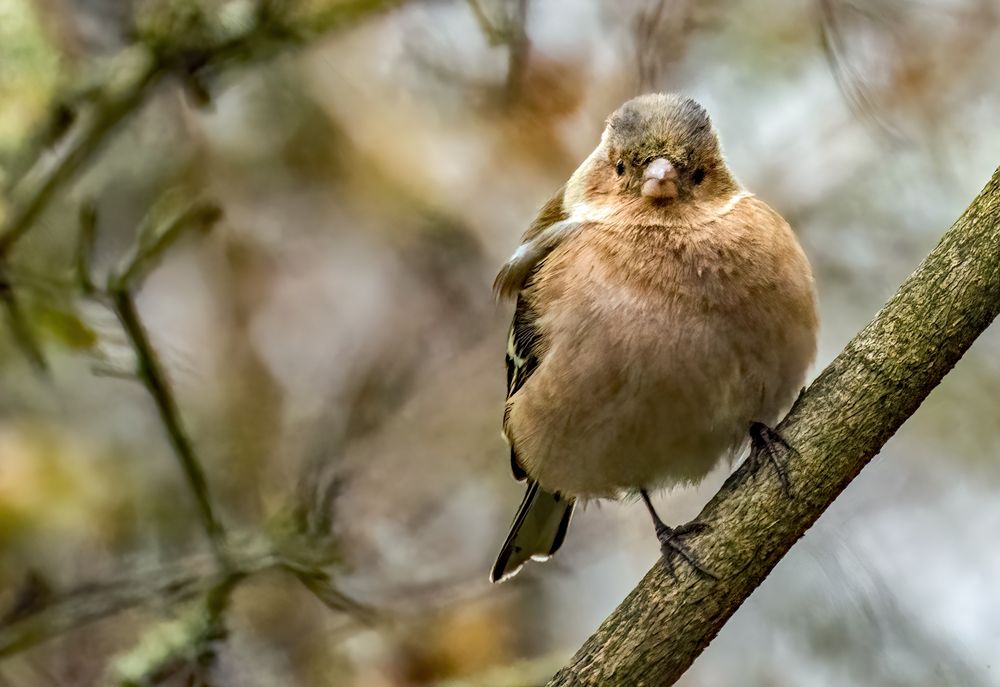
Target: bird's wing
x,y
542,236
523,341
523,354
522,346
549,229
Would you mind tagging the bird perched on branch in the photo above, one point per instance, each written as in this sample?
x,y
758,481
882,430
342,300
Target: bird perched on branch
x,y
664,315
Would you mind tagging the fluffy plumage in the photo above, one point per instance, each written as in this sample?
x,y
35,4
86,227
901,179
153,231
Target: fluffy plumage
x,y
660,310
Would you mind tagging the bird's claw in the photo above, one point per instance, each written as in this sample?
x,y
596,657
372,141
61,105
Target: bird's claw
x,y
767,446
671,548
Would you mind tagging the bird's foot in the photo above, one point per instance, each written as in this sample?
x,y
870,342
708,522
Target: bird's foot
x,y
672,548
670,540
769,447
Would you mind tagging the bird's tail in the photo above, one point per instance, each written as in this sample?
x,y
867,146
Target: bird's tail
x,y
537,532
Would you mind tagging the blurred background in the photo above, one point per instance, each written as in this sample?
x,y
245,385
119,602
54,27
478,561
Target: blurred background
x,y
337,361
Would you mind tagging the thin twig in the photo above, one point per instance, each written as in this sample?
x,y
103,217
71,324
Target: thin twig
x,y
144,255
32,194
518,50
850,82
86,604
176,583
150,370
151,374
494,35
173,646
85,248
19,326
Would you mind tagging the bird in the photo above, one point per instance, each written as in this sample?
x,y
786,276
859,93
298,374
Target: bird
x,y
664,319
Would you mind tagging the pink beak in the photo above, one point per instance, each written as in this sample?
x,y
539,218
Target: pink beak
x,y
660,179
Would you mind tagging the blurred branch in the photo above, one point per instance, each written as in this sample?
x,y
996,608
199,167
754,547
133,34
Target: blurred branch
x,y
85,248
89,603
836,427
127,88
121,285
518,47
243,31
147,251
511,32
191,47
189,642
24,338
197,578
895,63
661,31
495,35
850,83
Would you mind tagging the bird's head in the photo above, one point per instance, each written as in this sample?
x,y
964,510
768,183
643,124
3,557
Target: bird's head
x,y
659,152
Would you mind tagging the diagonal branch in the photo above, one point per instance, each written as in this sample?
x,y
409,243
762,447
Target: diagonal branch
x,y
837,427
134,78
151,373
18,325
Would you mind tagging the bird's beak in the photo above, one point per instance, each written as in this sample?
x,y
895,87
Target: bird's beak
x,y
660,179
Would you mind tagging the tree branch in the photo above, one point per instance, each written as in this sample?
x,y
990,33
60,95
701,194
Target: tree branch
x,y
92,602
134,76
125,85
837,426
176,43
18,325
187,643
121,285
199,579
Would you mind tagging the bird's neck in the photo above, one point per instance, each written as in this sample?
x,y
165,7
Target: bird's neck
x,y
683,215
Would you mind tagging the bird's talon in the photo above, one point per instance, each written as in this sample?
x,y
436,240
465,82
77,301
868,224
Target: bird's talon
x,y
768,447
693,527
671,548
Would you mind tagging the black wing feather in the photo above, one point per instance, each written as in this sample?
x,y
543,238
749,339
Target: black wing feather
x,y
522,347
522,359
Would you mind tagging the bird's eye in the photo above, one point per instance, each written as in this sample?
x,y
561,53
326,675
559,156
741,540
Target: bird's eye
x,y
698,176
620,167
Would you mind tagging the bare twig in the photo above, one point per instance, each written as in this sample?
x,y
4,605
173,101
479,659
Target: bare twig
x,y
152,375
85,248
121,285
495,35
661,31
518,50
24,338
187,643
195,578
510,31
175,583
851,84
145,253
135,78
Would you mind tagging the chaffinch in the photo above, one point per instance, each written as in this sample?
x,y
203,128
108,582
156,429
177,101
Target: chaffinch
x,y
663,315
